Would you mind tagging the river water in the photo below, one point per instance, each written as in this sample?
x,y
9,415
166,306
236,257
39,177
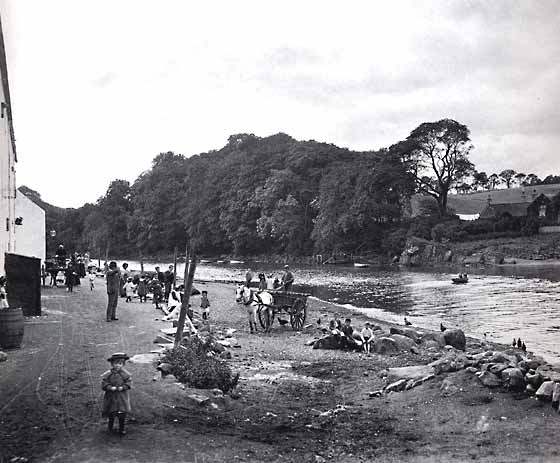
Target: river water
x,y
503,302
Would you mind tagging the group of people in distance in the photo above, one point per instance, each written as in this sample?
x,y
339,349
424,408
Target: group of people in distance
x,y
284,283
346,337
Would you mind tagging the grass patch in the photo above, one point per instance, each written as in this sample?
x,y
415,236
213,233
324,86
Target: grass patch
x,y
195,365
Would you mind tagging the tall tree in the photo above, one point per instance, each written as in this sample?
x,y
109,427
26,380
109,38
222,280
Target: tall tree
x,y
437,154
531,179
479,179
493,181
520,178
507,176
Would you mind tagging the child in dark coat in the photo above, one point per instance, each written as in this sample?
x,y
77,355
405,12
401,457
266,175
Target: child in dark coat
x,y
156,288
116,383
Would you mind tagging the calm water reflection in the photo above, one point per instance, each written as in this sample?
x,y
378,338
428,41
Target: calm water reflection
x,y
510,302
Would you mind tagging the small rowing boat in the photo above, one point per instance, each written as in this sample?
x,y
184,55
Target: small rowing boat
x,y
360,265
459,281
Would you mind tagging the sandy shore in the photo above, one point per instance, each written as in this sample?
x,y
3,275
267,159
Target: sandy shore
x,y
296,403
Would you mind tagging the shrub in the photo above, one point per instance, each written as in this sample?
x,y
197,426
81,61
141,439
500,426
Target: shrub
x,y
194,364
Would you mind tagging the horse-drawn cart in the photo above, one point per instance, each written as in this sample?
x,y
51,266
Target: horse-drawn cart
x,y
290,303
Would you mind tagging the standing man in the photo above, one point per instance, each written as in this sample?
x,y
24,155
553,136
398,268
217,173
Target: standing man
x,y
113,278
287,279
248,278
169,277
160,276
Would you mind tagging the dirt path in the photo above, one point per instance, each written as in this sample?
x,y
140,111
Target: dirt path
x,y
296,403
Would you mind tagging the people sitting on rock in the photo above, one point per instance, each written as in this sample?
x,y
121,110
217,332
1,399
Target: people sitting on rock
x,y
348,340
367,337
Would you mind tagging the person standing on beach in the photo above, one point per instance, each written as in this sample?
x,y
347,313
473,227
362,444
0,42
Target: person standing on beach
x,y
116,383
168,281
287,279
113,278
248,278
142,289
124,279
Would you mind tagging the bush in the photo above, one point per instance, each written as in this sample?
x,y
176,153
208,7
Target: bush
x,y
194,364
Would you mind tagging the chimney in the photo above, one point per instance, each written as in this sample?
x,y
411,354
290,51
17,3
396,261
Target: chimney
x,y
534,194
489,199
523,196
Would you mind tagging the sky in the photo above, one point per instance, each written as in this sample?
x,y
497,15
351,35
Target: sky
x,y
99,88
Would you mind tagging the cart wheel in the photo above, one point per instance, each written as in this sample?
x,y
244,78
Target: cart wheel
x,y
298,314
266,317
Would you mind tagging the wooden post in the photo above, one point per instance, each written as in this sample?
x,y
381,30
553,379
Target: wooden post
x,y
189,277
107,254
98,257
141,264
175,266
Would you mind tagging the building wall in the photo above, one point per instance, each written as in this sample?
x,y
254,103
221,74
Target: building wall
x,y
7,185
7,163
30,235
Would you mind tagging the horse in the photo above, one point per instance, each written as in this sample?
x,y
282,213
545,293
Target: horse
x,y
254,302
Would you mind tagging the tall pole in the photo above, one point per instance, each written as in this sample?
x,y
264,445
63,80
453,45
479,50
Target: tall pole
x,y
141,263
175,266
98,257
189,277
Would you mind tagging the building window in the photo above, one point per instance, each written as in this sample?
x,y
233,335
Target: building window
x,y
542,210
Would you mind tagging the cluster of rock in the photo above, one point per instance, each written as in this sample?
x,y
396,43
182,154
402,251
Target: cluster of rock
x,y
402,339
512,369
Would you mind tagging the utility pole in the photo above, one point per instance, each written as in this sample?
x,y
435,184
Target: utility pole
x,y
175,266
190,268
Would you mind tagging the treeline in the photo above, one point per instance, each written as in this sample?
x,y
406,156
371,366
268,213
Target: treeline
x,y
254,196
277,195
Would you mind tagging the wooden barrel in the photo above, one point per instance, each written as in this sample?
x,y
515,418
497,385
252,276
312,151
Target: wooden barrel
x,y
11,328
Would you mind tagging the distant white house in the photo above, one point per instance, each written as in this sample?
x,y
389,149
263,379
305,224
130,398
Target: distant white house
x,y
30,228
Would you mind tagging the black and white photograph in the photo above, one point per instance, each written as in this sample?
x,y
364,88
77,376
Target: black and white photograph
x,y
297,231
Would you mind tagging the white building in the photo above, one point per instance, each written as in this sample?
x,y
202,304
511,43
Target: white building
x,y
7,163
30,233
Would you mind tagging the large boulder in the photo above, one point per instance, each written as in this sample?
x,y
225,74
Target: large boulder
x,y
545,391
501,357
328,342
489,379
451,362
433,337
513,379
405,331
397,386
413,372
385,345
496,368
3,356
455,337
533,378
404,343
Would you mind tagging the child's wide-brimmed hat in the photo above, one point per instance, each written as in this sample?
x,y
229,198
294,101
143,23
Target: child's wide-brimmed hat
x,y
118,356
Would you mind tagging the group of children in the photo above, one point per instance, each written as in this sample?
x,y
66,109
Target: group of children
x,y
348,338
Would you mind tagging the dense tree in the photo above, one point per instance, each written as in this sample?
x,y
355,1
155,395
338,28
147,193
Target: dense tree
x,y
520,178
479,180
551,180
437,155
531,179
493,181
507,176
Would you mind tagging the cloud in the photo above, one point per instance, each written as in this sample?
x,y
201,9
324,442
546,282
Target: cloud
x,y
105,79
